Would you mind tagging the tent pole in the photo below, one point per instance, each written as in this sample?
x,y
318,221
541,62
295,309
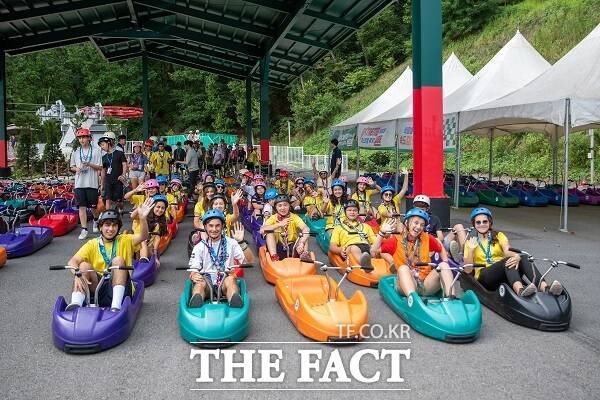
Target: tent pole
x,y
592,155
555,156
357,158
491,154
457,170
396,180
565,193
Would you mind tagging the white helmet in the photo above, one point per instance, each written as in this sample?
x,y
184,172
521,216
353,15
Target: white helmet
x,y
422,199
107,137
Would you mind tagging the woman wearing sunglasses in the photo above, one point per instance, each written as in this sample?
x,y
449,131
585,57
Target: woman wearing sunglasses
x,y
491,248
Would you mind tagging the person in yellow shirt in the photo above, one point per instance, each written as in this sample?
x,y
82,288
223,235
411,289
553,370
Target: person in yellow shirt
x,y
149,167
110,249
285,233
163,183
390,203
157,226
202,205
352,237
161,160
298,192
144,190
333,206
313,201
492,249
252,161
283,184
363,195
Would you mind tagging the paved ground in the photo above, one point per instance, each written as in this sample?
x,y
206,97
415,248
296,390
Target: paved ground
x,y
507,361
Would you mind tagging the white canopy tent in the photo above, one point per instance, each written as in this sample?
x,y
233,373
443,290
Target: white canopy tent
x,y
565,97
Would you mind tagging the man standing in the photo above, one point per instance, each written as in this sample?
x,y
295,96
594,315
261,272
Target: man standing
x,y
86,163
191,161
336,154
179,155
160,159
114,170
121,144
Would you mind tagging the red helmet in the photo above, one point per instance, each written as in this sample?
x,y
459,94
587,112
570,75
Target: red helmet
x,y
149,142
249,174
82,132
283,173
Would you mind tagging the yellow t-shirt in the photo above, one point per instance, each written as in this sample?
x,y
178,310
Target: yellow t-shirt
x,y
310,201
90,252
292,229
386,212
496,251
364,200
160,160
333,213
280,187
253,158
137,199
198,208
343,235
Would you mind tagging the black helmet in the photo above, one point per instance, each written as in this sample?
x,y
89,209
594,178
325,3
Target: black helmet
x,y
110,215
217,196
351,203
282,198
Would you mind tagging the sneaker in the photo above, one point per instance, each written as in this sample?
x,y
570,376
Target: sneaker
x,y
556,288
528,291
196,301
236,301
365,262
115,309
95,226
83,234
455,250
72,307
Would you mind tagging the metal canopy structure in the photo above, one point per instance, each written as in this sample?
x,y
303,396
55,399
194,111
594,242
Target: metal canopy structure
x,y
225,37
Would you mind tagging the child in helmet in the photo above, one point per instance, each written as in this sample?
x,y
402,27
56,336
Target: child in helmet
x,y
144,190
110,249
390,201
333,206
363,195
298,193
258,200
208,191
313,200
283,184
157,227
270,196
282,232
218,253
415,245
163,183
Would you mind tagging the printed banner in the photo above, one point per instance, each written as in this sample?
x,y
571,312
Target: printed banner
x,y
380,135
346,136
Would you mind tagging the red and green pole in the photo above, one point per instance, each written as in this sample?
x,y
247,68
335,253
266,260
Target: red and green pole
x,y
428,150
264,108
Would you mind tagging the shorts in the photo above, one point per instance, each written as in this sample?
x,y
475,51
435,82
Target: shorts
x,y
137,174
113,190
86,197
282,251
364,248
105,294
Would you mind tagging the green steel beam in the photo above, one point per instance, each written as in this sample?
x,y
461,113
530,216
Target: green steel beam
x,y
145,98
241,72
193,64
46,11
203,38
120,53
330,18
264,107
284,28
42,47
249,136
272,4
211,53
126,56
55,38
135,34
309,42
289,58
205,16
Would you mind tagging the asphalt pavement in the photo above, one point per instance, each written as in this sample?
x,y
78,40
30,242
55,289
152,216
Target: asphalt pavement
x,y
507,361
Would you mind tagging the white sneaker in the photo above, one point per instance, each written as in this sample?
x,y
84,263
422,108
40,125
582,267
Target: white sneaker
x,y
94,227
83,234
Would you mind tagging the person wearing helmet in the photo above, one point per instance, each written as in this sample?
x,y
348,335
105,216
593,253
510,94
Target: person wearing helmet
x,y
157,226
246,183
363,195
352,237
286,234
114,170
414,245
163,184
218,253
283,184
434,226
208,191
137,165
313,201
298,193
258,200
149,168
86,163
143,191
390,203
161,159
176,189
333,206
270,196
110,249
219,202
220,186
492,248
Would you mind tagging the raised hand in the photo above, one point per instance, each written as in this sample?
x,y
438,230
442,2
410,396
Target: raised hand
x,y
389,225
404,171
238,232
145,208
472,243
236,196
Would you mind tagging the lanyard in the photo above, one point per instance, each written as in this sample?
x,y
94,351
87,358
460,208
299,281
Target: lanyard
x,y
364,198
219,257
488,250
109,157
416,251
102,249
337,211
87,157
358,229
393,211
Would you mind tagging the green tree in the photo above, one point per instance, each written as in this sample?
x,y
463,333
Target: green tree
x,y
461,17
53,157
27,153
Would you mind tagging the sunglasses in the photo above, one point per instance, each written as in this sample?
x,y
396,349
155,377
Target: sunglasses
x,y
387,194
485,222
220,186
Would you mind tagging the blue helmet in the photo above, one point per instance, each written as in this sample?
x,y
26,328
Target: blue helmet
x,y
309,182
162,180
416,212
338,182
271,194
220,182
480,211
211,214
388,188
161,197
